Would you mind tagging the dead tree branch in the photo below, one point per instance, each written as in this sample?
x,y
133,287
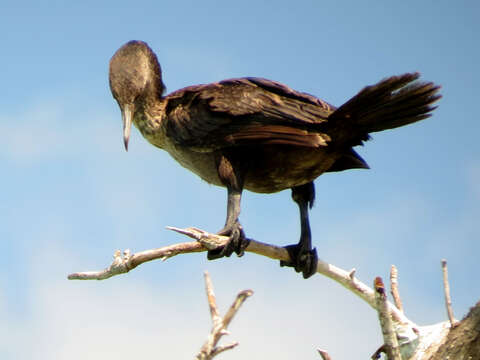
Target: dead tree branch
x,y
206,241
448,299
394,288
389,334
414,342
219,325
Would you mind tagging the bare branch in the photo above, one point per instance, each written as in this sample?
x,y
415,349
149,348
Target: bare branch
x,y
394,288
205,241
412,339
448,300
222,348
389,335
241,297
122,265
212,302
219,326
324,354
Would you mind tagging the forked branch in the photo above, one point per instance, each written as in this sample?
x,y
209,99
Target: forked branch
x,y
219,325
127,261
413,341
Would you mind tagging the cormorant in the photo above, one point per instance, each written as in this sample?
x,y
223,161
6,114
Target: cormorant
x,y
257,134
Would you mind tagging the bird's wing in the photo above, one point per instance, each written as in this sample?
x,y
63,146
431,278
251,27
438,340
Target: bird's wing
x,y
245,111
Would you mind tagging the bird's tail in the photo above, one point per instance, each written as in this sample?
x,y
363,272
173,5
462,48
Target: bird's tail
x,y
393,102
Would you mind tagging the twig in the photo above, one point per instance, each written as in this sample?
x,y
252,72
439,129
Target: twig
x,y
394,288
127,262
324,354
212,302
219,326
448,300
205,241
389,336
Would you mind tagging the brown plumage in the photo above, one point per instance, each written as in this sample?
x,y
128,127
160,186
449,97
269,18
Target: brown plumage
x,y
260,135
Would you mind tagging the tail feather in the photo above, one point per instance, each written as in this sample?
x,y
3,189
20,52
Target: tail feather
x,y
391,103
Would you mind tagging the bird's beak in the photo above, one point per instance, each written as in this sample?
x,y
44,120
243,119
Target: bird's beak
x,y
127,114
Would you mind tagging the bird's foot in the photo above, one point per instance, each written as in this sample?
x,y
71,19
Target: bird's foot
x,y
302,260
237,242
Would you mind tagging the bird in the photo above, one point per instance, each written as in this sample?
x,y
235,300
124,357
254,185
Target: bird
x,y
260,135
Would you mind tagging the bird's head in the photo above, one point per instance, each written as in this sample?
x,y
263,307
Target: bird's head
x,y
135,78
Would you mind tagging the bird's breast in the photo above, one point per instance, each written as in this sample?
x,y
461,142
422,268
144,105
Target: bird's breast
x,y
201,163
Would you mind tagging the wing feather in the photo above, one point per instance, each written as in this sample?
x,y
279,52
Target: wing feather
x,y
246,111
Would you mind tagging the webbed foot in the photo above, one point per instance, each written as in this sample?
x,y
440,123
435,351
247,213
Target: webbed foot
x,y
302,260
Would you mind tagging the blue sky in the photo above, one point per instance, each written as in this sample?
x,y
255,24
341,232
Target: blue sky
x,y
71,195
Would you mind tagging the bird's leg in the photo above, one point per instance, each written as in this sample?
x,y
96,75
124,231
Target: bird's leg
x,y
302,257
233,229
237,243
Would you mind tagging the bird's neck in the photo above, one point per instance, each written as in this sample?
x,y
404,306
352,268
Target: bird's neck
x,y
148,117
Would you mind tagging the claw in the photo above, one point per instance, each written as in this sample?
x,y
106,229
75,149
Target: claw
x,y
237,242
304,261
